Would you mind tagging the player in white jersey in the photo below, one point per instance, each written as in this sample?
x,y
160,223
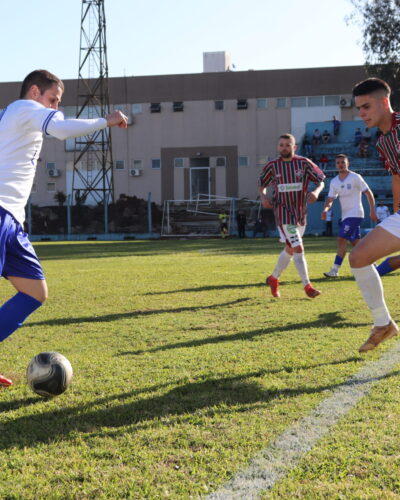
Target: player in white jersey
x,y
348,187
22,125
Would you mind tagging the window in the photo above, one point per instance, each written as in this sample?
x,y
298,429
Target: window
x,y
119,164
177,106
281,102
332,100
316,101
155,107
136,109
242,104
179,162
50,164
51,187
156,163
299,102
243,161
220,161
137,164
262,103
219,105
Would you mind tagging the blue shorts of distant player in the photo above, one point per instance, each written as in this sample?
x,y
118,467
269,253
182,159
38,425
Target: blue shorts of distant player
x,y
17,256
349,228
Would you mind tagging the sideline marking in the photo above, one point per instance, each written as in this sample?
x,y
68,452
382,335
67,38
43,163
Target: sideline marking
x,y
280,457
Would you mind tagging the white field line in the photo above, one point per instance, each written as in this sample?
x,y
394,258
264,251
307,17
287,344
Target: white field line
x,y
279,458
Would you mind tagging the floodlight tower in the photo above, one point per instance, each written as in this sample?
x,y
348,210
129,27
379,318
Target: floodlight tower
x,y
92,170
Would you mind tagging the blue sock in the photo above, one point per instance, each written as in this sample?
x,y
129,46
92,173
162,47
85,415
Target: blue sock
x,y
384,268
14,312
338,260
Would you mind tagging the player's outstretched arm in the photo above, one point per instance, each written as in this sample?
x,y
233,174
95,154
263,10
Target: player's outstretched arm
x,y
117,119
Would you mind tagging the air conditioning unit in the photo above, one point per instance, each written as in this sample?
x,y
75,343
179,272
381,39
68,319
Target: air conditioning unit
x,y
53,172
345,102
135,172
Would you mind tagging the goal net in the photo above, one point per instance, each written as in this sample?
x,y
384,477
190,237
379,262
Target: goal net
x,y
199,217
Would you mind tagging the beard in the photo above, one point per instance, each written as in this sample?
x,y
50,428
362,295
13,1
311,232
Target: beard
x,y
287,156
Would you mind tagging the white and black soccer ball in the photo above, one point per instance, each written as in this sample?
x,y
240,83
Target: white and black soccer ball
x,y
49,374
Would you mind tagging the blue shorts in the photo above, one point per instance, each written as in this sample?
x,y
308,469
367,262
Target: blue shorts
x,y
17,256
350,228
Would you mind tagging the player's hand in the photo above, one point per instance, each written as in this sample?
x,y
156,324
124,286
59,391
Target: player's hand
x,y
323,215
117,119
373,216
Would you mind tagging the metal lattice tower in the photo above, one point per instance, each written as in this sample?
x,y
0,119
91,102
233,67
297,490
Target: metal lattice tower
x,y
92,170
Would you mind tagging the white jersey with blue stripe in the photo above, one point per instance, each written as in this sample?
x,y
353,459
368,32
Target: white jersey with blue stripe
x,y
22,125
349,192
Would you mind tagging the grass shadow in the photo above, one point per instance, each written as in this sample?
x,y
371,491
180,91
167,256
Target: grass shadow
x,y
214,395
324,320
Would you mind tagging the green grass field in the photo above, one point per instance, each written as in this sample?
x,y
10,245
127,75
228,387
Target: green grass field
x,y
185,367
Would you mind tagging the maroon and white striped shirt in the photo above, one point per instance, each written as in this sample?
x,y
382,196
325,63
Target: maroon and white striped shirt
x,y
290,180
388,146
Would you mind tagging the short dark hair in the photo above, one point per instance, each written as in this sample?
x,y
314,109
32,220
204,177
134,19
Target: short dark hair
x,y
341,155
43,79
371,85
288,136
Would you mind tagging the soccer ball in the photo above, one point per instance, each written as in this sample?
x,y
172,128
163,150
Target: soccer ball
x,y
49,374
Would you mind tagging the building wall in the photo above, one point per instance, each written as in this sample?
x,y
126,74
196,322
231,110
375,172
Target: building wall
x,y
245,137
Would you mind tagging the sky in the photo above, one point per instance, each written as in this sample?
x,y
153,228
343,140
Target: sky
x,y
155,37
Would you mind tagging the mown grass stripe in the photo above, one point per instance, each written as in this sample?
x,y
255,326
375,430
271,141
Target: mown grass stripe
x,y
278,459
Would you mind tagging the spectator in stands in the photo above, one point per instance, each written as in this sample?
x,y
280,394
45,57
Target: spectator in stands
x,y
382,211
363,149
336,126
241,223
316,137
306,146
367,135
326,137
357,137
323,161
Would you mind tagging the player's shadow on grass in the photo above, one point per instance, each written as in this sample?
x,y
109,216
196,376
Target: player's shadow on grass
x,y
132,314
215,396
324,320
209,288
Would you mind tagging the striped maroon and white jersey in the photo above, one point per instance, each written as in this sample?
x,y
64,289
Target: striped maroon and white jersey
x,y
290,180
388,146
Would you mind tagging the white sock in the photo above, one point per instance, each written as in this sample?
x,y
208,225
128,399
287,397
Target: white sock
x,y
283,261
370,285
335,268
301,266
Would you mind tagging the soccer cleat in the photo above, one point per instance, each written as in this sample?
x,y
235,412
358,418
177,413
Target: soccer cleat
x,y
5,382
332,274
379,334
273,283
311,291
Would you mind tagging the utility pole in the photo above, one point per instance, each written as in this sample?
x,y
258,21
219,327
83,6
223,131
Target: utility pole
x,y
92,178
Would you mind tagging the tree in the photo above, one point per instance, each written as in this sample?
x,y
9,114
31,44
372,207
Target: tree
x,y
60,198
380,24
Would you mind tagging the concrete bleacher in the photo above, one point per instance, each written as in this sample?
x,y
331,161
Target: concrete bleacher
x,y
370,168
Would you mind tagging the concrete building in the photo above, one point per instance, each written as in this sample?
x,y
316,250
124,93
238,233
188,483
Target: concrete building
x,y
210,132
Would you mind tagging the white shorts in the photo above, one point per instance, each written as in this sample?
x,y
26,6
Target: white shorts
x,y
291,234
392,224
